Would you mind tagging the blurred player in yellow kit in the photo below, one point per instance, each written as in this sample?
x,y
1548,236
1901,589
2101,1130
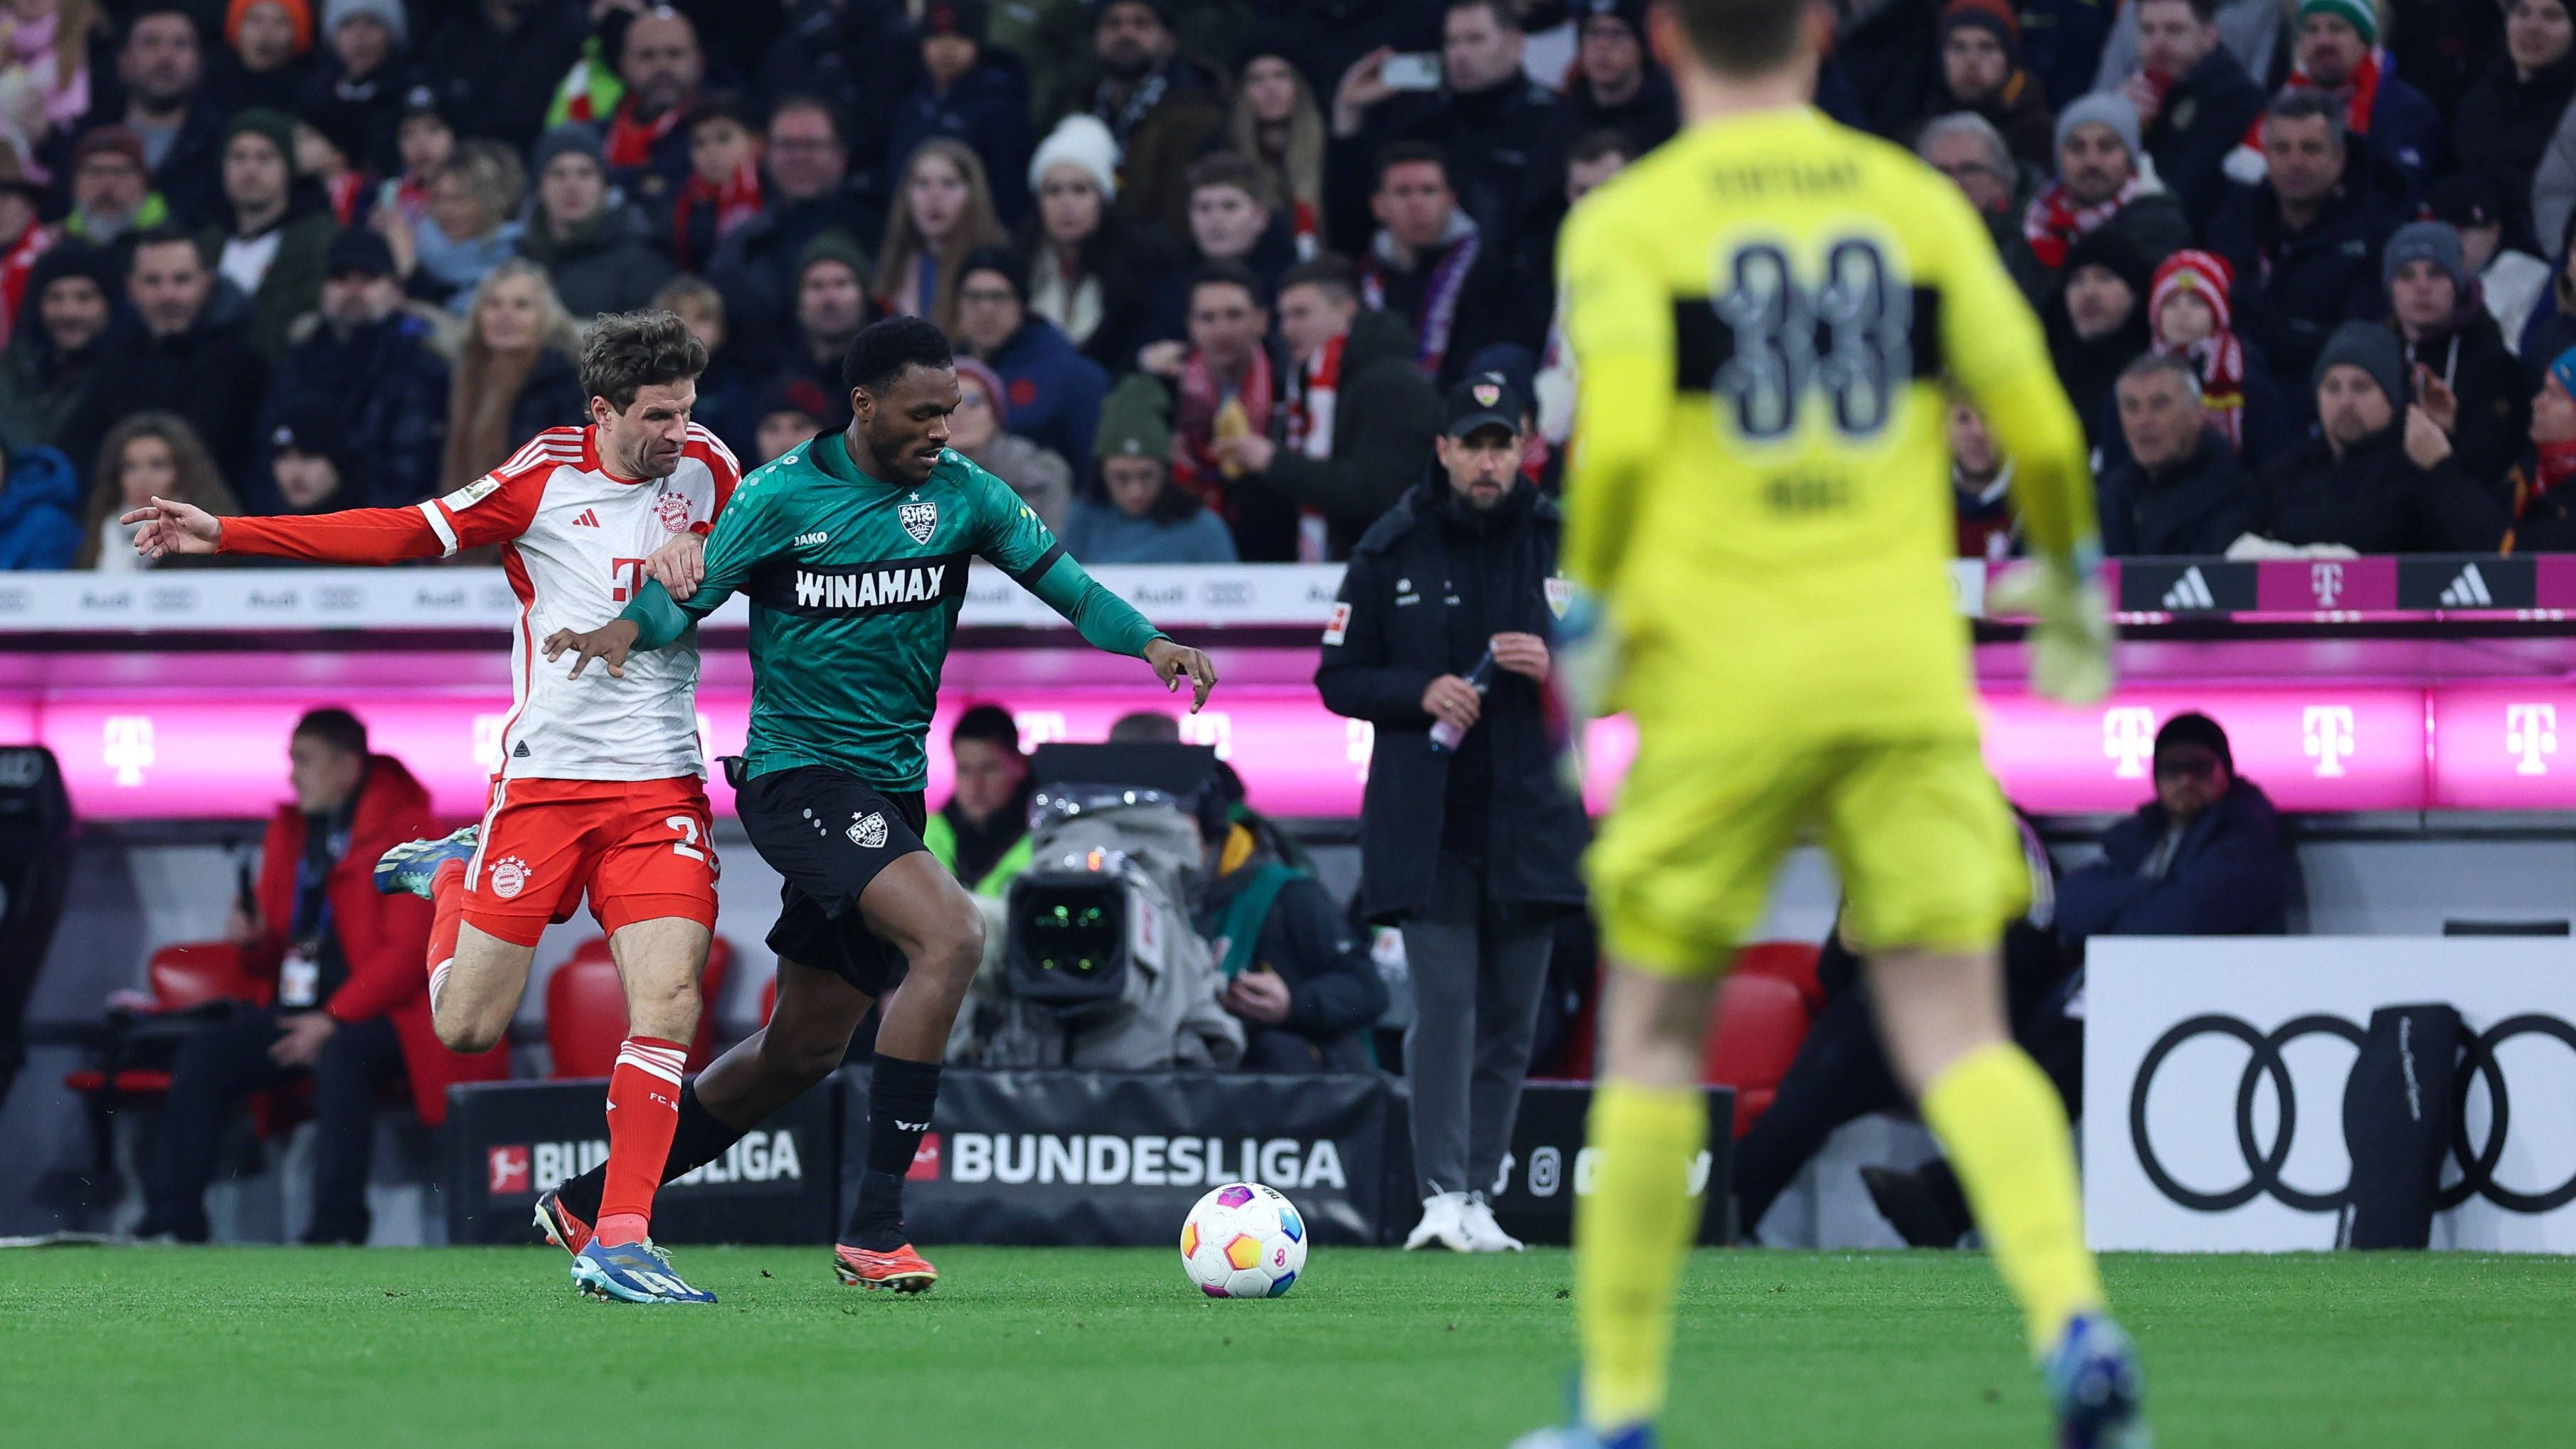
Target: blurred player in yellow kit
x,y
1762,313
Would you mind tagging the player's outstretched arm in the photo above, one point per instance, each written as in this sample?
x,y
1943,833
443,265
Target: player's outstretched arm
x,y
1176,662
169,528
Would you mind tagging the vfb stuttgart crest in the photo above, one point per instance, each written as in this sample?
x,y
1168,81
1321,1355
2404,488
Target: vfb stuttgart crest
x,y
920,520
671,510
868,832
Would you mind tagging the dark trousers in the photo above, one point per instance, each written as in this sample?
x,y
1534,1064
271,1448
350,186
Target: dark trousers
x,y
1841,1074
1478,970
222,1066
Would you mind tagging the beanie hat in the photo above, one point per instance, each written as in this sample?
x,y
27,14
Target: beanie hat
x,y
2464,201
572,138
1134,421
277,127
954,17
1632,13
2374,350
361,250
1078,140
389,11
110,140
1988,15
2563,367
2108,108
315,429
1001,262
833,246
299,12
991,382
2361,15
342,124
2196,728
2111,250
2205,275
72,259
2437,242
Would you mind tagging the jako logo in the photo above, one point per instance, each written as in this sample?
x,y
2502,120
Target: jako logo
x,y
758,1157
1100,1161
810,540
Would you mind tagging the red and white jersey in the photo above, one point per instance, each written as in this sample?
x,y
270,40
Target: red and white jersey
x,y
574,537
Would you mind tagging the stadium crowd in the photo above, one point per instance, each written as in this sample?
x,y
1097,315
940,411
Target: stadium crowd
x,y
2305,265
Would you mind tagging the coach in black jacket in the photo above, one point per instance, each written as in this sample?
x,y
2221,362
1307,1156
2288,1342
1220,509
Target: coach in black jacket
x,y
1472,852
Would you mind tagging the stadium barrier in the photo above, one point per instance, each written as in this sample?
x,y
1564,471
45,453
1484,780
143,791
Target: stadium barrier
x,y
2223,1103
1044,1158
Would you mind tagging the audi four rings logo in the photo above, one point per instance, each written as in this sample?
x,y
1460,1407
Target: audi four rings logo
x,y
2263,1164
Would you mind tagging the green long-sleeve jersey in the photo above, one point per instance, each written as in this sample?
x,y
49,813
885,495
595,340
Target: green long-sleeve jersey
x,y
855,586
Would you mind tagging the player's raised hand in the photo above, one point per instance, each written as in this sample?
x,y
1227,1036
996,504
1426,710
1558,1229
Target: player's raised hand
x,y
608,644
169,528
679,566
1174,661
2070,629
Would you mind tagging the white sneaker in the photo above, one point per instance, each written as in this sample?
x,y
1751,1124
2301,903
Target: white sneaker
x,y
1443,1224
1483,1234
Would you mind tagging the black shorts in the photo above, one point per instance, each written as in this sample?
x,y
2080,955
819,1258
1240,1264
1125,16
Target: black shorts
x,y
828,833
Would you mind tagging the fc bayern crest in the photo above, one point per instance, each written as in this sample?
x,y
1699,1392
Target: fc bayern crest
x,y
671,510
920,520
1487,394
869,831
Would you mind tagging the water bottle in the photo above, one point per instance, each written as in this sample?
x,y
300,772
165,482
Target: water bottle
x,y
1444,735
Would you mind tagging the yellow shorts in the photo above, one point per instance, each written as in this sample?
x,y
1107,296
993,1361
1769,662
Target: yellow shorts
x,y
1928,851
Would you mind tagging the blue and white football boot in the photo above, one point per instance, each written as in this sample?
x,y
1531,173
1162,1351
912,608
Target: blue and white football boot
x,y
2095,1389
408,868
631,1273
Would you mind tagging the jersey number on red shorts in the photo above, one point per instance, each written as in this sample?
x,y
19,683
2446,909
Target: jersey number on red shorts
x,y
687,844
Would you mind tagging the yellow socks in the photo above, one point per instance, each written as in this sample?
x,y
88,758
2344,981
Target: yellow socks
x,y
2006,1134
1629,1238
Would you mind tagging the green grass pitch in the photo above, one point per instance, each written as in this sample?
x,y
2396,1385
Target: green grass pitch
x,y
380,1349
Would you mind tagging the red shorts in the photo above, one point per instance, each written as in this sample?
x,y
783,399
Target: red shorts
x,y
640,849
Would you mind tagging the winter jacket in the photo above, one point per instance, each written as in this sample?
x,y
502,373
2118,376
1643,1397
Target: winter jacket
x,y
2545,522
208,374
1492,307
1334,991
1042,478
40,387
1502,147
2204,116
2553,190
2089,370
1143,289
2061,42
2504,129
2020,111
1425,590
369,107
862,57
1055,392
552,397
499,84
382,937
40,511
988,109
1648,119
387,384
2232,875
2494,392
605,265
2375,500
2198,506
190,178
754,270
2293,289
1159,149
292,286
2249,30
1097,532
1385,417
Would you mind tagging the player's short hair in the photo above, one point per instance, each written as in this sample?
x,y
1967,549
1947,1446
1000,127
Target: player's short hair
x,y
1411,153
1228,274
2204,11
989,723
336,727
2155,364
1743,37
1327,271
628,352
1233,168
2308,105
1592,145
884,349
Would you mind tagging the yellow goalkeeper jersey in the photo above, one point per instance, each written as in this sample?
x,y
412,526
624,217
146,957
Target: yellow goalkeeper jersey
x,y
1762,314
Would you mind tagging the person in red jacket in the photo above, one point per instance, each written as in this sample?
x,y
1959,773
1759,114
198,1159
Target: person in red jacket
x,y
348,1006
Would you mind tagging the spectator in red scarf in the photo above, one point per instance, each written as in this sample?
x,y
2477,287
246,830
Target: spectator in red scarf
x,y
1433,266
2544,499
2191,313
1981,71
2104,179
2194,97
2337,57
663,66
1228,387
723,187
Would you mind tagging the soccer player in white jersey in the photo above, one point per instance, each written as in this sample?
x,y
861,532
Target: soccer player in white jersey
x,y
600,787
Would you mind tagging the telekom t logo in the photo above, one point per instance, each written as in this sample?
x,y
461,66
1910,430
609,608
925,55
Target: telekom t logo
x,y
2129,739
2329,732
125,746
2325,581
2531,734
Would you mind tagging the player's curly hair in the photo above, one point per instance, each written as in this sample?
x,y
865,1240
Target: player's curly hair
x,y
628,352
886,348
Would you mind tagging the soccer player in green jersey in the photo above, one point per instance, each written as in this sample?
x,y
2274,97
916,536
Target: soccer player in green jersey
x,y
853,548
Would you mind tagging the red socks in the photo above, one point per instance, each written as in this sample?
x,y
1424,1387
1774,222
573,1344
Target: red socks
x,y
447,893
643,1112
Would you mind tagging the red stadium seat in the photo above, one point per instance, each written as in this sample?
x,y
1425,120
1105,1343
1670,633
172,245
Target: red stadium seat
x,y
586,1010
1760,1022
1790,961
188,974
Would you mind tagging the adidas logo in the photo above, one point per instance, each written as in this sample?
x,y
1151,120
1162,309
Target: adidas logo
x,y
589,518
2191,591
2468,591
522,752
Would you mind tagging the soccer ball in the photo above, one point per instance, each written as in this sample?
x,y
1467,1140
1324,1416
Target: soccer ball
x,y
1243,1241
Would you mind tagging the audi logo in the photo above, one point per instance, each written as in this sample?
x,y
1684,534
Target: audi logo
x,y
2263,1164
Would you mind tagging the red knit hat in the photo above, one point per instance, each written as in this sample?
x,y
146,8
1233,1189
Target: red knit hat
x,y
1994,15
2205,275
